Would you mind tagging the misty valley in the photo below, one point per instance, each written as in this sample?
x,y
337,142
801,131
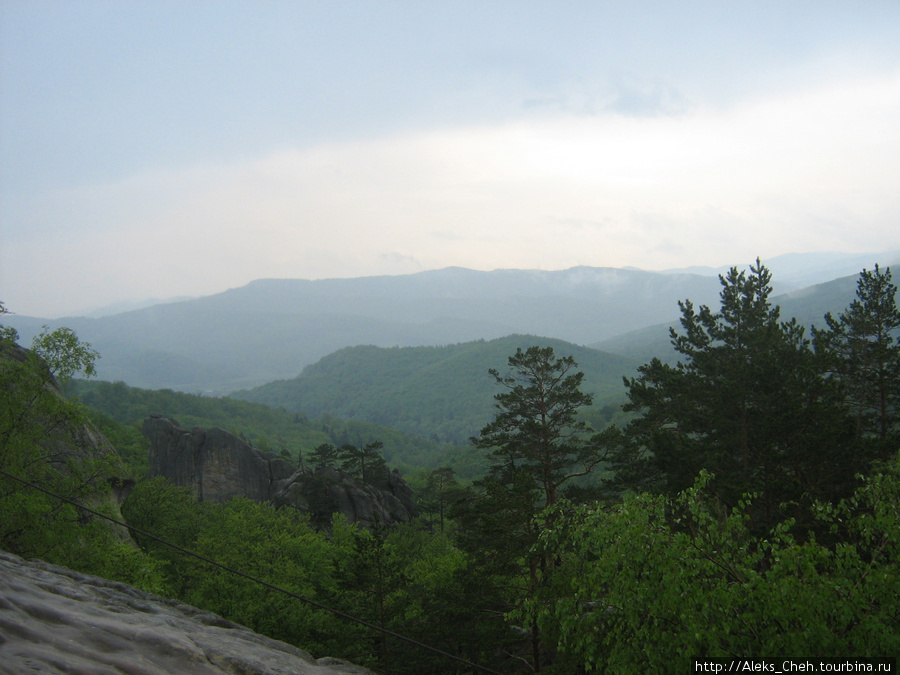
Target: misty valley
x,y
587,471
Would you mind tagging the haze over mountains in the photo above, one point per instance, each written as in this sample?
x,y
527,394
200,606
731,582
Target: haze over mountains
x,y
271,329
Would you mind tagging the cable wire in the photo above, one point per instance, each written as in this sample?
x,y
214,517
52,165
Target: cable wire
x,y
273,587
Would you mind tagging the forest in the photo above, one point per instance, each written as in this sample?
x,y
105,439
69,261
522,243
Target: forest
x,y
743,501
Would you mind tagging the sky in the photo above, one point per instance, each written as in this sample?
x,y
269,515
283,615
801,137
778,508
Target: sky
x,y
162,149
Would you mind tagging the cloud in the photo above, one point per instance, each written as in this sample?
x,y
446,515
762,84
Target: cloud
x,y
638,98
401,263
816,170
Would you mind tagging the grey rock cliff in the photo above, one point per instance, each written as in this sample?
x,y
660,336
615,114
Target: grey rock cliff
x,y
54,620
218,466
327,491
215,464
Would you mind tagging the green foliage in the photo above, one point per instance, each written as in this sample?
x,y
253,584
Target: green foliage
x,y
38,444
434,392
404,578
861,349
277,546
131,445
365,463
536,445
323,455
653,582
64,353
47,440
262,425
440,491
170,513
748,401
535,429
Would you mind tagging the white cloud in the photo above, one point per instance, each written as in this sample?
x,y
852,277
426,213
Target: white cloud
x,y
816,170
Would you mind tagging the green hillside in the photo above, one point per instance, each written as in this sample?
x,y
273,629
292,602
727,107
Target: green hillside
x,y
442,393
268,428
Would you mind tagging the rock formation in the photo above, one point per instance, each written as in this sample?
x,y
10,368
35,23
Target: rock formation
x,y
54,621
218,465
215,464
327,491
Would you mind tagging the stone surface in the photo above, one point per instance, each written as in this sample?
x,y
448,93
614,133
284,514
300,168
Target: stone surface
x,y
218,466
327,491
54,620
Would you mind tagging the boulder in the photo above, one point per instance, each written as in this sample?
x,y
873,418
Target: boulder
x,y
54,620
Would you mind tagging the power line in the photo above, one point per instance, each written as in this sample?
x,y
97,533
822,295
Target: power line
x,y
273,587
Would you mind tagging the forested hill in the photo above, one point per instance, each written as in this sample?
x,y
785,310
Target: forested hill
x,y
273,328
442,393
267,428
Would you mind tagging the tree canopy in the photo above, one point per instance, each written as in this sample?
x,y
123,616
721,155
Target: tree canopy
x,y
747,402
862,351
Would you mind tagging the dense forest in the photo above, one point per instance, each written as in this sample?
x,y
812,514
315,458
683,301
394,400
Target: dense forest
x,y
433,392
744,502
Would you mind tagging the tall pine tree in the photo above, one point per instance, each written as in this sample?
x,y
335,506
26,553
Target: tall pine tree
x,y
536,445
747,401
862,351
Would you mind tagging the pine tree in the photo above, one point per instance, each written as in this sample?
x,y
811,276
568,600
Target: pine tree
x,y
441,487
536,444
747,402
861,350
365,463
535,429
325,454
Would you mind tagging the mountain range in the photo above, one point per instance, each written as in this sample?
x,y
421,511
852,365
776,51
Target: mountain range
x,y
272,329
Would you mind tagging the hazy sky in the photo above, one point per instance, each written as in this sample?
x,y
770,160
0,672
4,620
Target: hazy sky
x,y
155,149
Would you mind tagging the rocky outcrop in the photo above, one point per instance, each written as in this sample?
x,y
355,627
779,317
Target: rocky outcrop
x,y
218,466
55,621
327,491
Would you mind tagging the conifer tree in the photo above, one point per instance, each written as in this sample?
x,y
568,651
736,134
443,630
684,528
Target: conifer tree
x,y
365,463
325,454
441,487
747,401
862,350
535,429
536,444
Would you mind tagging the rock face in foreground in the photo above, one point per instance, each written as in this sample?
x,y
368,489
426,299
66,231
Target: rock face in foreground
x,y
218,465
54,620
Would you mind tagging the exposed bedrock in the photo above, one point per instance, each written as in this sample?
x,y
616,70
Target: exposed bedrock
x,y
54,620
218,466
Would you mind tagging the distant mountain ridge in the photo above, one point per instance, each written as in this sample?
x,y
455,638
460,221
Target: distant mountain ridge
x,y
801,270
271,329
